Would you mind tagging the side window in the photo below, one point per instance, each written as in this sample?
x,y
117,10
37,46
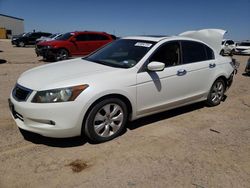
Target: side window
x,y
82,37
103,37
210,53
94,37
168,53
193,52
33,35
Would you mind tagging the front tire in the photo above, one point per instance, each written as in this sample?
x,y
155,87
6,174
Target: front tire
x,y
216,93
222,52
62,54
21,44
106,120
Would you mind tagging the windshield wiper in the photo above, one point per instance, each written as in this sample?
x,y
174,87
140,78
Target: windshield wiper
x,y
106,63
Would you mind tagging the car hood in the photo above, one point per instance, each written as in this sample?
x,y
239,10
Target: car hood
x,y
52,42
61,74
212,37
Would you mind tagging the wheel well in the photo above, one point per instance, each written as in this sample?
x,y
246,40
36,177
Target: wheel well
x,y
118,96
64,49
224,80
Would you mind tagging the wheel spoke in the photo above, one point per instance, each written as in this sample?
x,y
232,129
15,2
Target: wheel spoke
x,y
119,117
106,131
213,96
99,127
114,111
107,109
114,126
99,117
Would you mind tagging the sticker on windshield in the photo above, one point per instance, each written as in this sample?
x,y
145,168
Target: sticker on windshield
x,y
143,44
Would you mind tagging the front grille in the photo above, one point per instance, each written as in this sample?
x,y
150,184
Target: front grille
x,y
240,49
40,47
21,93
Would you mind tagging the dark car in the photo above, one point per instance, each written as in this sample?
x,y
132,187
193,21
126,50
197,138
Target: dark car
x,y
73,43
28,38
15,37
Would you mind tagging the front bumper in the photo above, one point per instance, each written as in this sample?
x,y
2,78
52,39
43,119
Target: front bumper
x,y
14,42
46,53
241,52
58,120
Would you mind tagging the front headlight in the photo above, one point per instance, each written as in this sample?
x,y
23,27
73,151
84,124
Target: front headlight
x,y
59,95
48,47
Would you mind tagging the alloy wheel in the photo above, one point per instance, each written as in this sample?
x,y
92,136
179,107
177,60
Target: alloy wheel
x,y
217,92
108,120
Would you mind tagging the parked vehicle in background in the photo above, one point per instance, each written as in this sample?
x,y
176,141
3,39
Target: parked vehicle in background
x,y
49,38
73,43
29,38
227,47
127,79
247,69
243,48
15,37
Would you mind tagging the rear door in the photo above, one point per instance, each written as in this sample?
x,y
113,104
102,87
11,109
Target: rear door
x,y
80,45
97,40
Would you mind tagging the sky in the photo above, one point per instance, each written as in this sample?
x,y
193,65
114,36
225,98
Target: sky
x,y
132,17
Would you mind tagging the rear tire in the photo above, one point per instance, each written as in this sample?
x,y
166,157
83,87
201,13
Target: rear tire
x,y
106,120
216,93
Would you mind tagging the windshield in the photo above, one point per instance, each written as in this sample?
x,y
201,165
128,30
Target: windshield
x,y
65,36
26,34
52,36
122,53
222,42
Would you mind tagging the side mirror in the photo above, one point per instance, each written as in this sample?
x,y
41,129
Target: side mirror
x,y
156,66
73,39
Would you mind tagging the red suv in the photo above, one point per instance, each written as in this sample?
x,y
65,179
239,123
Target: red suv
x,y
73,43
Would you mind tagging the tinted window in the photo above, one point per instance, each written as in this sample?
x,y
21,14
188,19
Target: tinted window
x,y
193,52
97,37
168,53
82,37
210,53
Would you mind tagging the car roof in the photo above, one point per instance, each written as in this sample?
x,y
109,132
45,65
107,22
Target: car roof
x,y
160,38
147,38
96,32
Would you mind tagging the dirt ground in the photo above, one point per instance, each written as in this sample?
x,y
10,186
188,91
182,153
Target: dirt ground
x,y
194,146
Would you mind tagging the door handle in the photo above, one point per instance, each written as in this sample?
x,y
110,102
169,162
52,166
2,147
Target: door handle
x,y
181,72
212,65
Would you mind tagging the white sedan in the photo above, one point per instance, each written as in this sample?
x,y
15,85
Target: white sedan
x,y
242,48
128,79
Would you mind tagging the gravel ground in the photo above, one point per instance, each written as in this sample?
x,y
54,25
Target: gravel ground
x,y
194,146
